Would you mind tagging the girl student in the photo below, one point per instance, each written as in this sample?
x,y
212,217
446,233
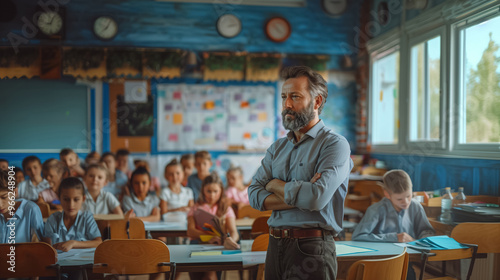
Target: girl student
x,y
237,192
175,200
19,215
99,201
54,172
72,228
213,201
140,203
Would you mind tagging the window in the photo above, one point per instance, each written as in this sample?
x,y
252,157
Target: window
x,y
385,99
480,83
425,88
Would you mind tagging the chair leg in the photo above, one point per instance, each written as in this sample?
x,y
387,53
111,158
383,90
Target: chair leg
x,y
422,267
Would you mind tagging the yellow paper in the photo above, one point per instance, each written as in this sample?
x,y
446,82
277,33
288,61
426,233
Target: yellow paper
x,y
262,117
209,105
381,95
177,119
206,253
205,237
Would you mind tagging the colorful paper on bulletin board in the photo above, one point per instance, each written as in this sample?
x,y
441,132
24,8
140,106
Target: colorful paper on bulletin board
x,y
177,119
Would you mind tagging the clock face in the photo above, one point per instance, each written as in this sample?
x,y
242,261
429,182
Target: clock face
x,y
334,7
50,23
278,29
228,26
105,28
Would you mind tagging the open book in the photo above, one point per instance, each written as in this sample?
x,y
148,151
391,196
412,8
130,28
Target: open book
x,y
208,223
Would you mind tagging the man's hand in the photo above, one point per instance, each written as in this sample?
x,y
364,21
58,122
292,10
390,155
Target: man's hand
x,y
274,185
315,178
405,237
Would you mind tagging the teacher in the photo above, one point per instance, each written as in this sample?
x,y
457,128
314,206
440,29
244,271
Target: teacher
x,y
303,179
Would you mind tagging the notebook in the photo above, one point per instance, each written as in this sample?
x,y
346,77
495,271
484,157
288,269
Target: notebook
x,y
441,242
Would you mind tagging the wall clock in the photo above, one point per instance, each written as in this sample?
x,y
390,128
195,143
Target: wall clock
x,y
278,29
51,24
105,28
334,7
228,26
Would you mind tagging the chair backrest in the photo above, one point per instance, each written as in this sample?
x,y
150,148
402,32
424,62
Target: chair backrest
x,y
368,188
485,235
35,259
44,208
248,211
131,256
260,226
261,242
358,202
393,268
117,229
449,255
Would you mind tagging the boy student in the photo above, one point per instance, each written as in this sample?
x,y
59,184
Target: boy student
x,y
4,164
122,160
30,189
97,200
202,163
395,218
25,220
70,158
116,180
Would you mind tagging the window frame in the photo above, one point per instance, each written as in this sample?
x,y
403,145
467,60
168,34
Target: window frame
x,y
413,41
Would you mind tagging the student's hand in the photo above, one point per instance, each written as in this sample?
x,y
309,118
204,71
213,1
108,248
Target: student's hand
x,y
129,214
155,211
215,240
315,178
405,237
64,246
230,244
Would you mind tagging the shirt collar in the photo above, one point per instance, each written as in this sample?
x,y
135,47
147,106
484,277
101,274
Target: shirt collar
x,y
312,132
135,199
20,210
61,220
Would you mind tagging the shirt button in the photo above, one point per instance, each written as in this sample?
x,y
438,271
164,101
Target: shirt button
x,y
296,147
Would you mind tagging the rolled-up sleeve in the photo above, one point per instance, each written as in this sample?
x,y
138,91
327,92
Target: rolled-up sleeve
x,y
257,192
334,166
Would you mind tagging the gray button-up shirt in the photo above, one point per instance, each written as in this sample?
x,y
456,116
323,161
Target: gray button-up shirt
x,y
382,223
319,204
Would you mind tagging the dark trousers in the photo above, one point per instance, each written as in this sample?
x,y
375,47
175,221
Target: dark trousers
x,y
305,258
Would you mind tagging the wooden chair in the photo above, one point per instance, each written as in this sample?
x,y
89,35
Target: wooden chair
x,y
260,226
260,244
248,211
44,208
393,268
448,255
358,202
122,229
368,188
35,259
485,235
371,170
132,257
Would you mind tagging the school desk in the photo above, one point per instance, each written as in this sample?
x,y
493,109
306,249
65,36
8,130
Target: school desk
x,y
180,254
178,229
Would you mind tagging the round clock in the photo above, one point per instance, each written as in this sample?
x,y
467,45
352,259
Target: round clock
x,y
334,7
228,26
278,29
50,23
105,27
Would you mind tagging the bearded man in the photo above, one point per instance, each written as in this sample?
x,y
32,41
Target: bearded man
x,y
303,179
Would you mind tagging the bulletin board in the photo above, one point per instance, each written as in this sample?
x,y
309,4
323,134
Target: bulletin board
x,y
208,117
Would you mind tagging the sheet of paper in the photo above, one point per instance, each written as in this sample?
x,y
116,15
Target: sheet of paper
x,y
253,258
343,249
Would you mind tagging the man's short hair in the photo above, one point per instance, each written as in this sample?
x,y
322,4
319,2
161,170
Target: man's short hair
x,y
317,84
397,181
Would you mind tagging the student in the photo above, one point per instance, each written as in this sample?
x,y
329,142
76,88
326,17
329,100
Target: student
x,y
187,162
19,175
175,200
4,164
30,188
116,180
26,219
53,171
122,162
72,228
202,163
237,192
92,158
72,161
99,201
212,200
155,181
139,203
395,218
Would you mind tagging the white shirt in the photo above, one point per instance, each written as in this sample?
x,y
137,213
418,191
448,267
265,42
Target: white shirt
x,y
28,190
176,200
106,202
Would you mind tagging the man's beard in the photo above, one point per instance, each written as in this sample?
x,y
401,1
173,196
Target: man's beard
x,y
300,119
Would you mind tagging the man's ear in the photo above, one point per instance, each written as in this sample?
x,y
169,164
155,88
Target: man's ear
x,y
318,100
